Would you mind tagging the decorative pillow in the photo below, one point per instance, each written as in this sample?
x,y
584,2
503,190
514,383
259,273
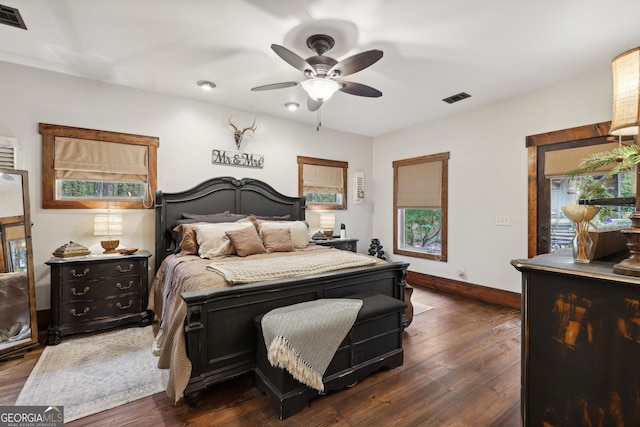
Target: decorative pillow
x,y
246,241
298,229
179,233
226,216
277,240
185,237
212,240
272,218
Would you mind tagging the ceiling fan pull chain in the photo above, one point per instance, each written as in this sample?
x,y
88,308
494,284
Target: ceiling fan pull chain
x,y
318,122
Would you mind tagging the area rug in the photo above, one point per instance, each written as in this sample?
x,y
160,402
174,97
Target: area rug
x,y
92,374
418,307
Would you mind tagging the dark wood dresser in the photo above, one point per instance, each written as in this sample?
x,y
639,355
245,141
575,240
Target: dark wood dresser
x,y
97,292
580,343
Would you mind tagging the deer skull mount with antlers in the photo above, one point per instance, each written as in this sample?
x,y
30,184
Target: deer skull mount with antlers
x,y
239,134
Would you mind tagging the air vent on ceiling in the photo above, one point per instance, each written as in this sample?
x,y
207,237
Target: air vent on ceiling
x,y
455,98
11,16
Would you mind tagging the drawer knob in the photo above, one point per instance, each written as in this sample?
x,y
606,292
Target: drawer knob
x,y
124,307
125,270
75,274
122,287
76,314
80,293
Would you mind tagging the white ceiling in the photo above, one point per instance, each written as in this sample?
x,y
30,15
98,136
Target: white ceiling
x,y
491,49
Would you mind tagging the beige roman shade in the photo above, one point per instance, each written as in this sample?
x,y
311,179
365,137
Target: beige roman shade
x,y
419,185
81,159
559,162
14,232
322,179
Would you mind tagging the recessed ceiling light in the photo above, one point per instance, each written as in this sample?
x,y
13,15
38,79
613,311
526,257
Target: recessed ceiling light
x,y
206,84
292,106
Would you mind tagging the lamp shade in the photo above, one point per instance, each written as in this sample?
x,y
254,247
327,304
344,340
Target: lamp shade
x,y
107,225
320,89
626,93
327,221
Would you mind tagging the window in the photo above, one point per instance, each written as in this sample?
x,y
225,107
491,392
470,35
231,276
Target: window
x,y
420,206
92,169
322,182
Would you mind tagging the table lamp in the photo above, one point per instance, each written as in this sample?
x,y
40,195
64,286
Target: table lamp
x,y
108,225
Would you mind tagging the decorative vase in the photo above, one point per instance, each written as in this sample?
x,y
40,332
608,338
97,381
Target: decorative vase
x,y
582,243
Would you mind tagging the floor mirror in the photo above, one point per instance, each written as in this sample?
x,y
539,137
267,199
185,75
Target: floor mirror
x,y
18,322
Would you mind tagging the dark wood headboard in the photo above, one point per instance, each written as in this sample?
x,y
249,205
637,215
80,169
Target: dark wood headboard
x,y
241,196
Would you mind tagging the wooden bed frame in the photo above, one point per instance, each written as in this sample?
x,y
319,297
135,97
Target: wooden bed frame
x,y
219,328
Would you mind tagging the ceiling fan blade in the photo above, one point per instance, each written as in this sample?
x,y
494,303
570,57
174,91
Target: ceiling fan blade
x,y
313,105
292,59
276,86
358,89
356,63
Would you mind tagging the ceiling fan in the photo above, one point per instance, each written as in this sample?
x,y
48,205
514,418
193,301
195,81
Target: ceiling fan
x,y
322,72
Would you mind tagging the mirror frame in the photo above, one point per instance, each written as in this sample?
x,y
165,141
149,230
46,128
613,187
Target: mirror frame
x,y
22,347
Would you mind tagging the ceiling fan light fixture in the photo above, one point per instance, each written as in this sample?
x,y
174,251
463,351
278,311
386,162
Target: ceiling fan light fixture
x,y
320,89
206,85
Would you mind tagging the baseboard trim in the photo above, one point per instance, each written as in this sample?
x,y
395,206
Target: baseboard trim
x,y
465,289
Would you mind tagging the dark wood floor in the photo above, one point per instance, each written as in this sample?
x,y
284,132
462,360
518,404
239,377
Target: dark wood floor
x,y
461,368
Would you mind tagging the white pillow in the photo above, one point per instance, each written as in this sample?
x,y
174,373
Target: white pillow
x,y
212,240
298,229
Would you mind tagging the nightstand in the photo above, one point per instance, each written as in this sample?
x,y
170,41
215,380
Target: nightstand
x,y
97,292
343,244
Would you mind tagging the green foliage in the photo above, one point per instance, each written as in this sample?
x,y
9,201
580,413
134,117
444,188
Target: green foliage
x,y
623,158
321,198
100,190
597,190
422,226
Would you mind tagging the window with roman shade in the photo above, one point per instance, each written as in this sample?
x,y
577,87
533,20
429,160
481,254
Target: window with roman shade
x,y
85,168
322,182
420,206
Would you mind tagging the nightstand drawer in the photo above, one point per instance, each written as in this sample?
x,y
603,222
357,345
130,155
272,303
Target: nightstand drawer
x,y
108,308
87,272
99,289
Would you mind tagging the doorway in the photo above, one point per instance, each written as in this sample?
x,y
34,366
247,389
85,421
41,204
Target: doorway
x,y
540,186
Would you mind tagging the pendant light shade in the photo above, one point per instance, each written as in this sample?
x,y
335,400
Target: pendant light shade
x,y
626,93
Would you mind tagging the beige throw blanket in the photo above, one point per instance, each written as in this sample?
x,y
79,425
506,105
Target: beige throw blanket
x,y
245,271
303,338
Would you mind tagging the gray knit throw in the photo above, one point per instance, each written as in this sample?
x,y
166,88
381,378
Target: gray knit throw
x,y
303,338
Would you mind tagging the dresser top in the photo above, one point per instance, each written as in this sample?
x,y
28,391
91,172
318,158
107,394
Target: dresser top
x,y
561,262
98,257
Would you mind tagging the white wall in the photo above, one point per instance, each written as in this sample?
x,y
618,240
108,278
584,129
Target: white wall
x,y
188,131
487,168
487,175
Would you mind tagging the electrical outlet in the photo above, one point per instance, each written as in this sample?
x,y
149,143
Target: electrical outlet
x,y
502,220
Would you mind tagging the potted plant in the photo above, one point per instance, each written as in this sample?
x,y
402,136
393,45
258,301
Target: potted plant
x,y
623,159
